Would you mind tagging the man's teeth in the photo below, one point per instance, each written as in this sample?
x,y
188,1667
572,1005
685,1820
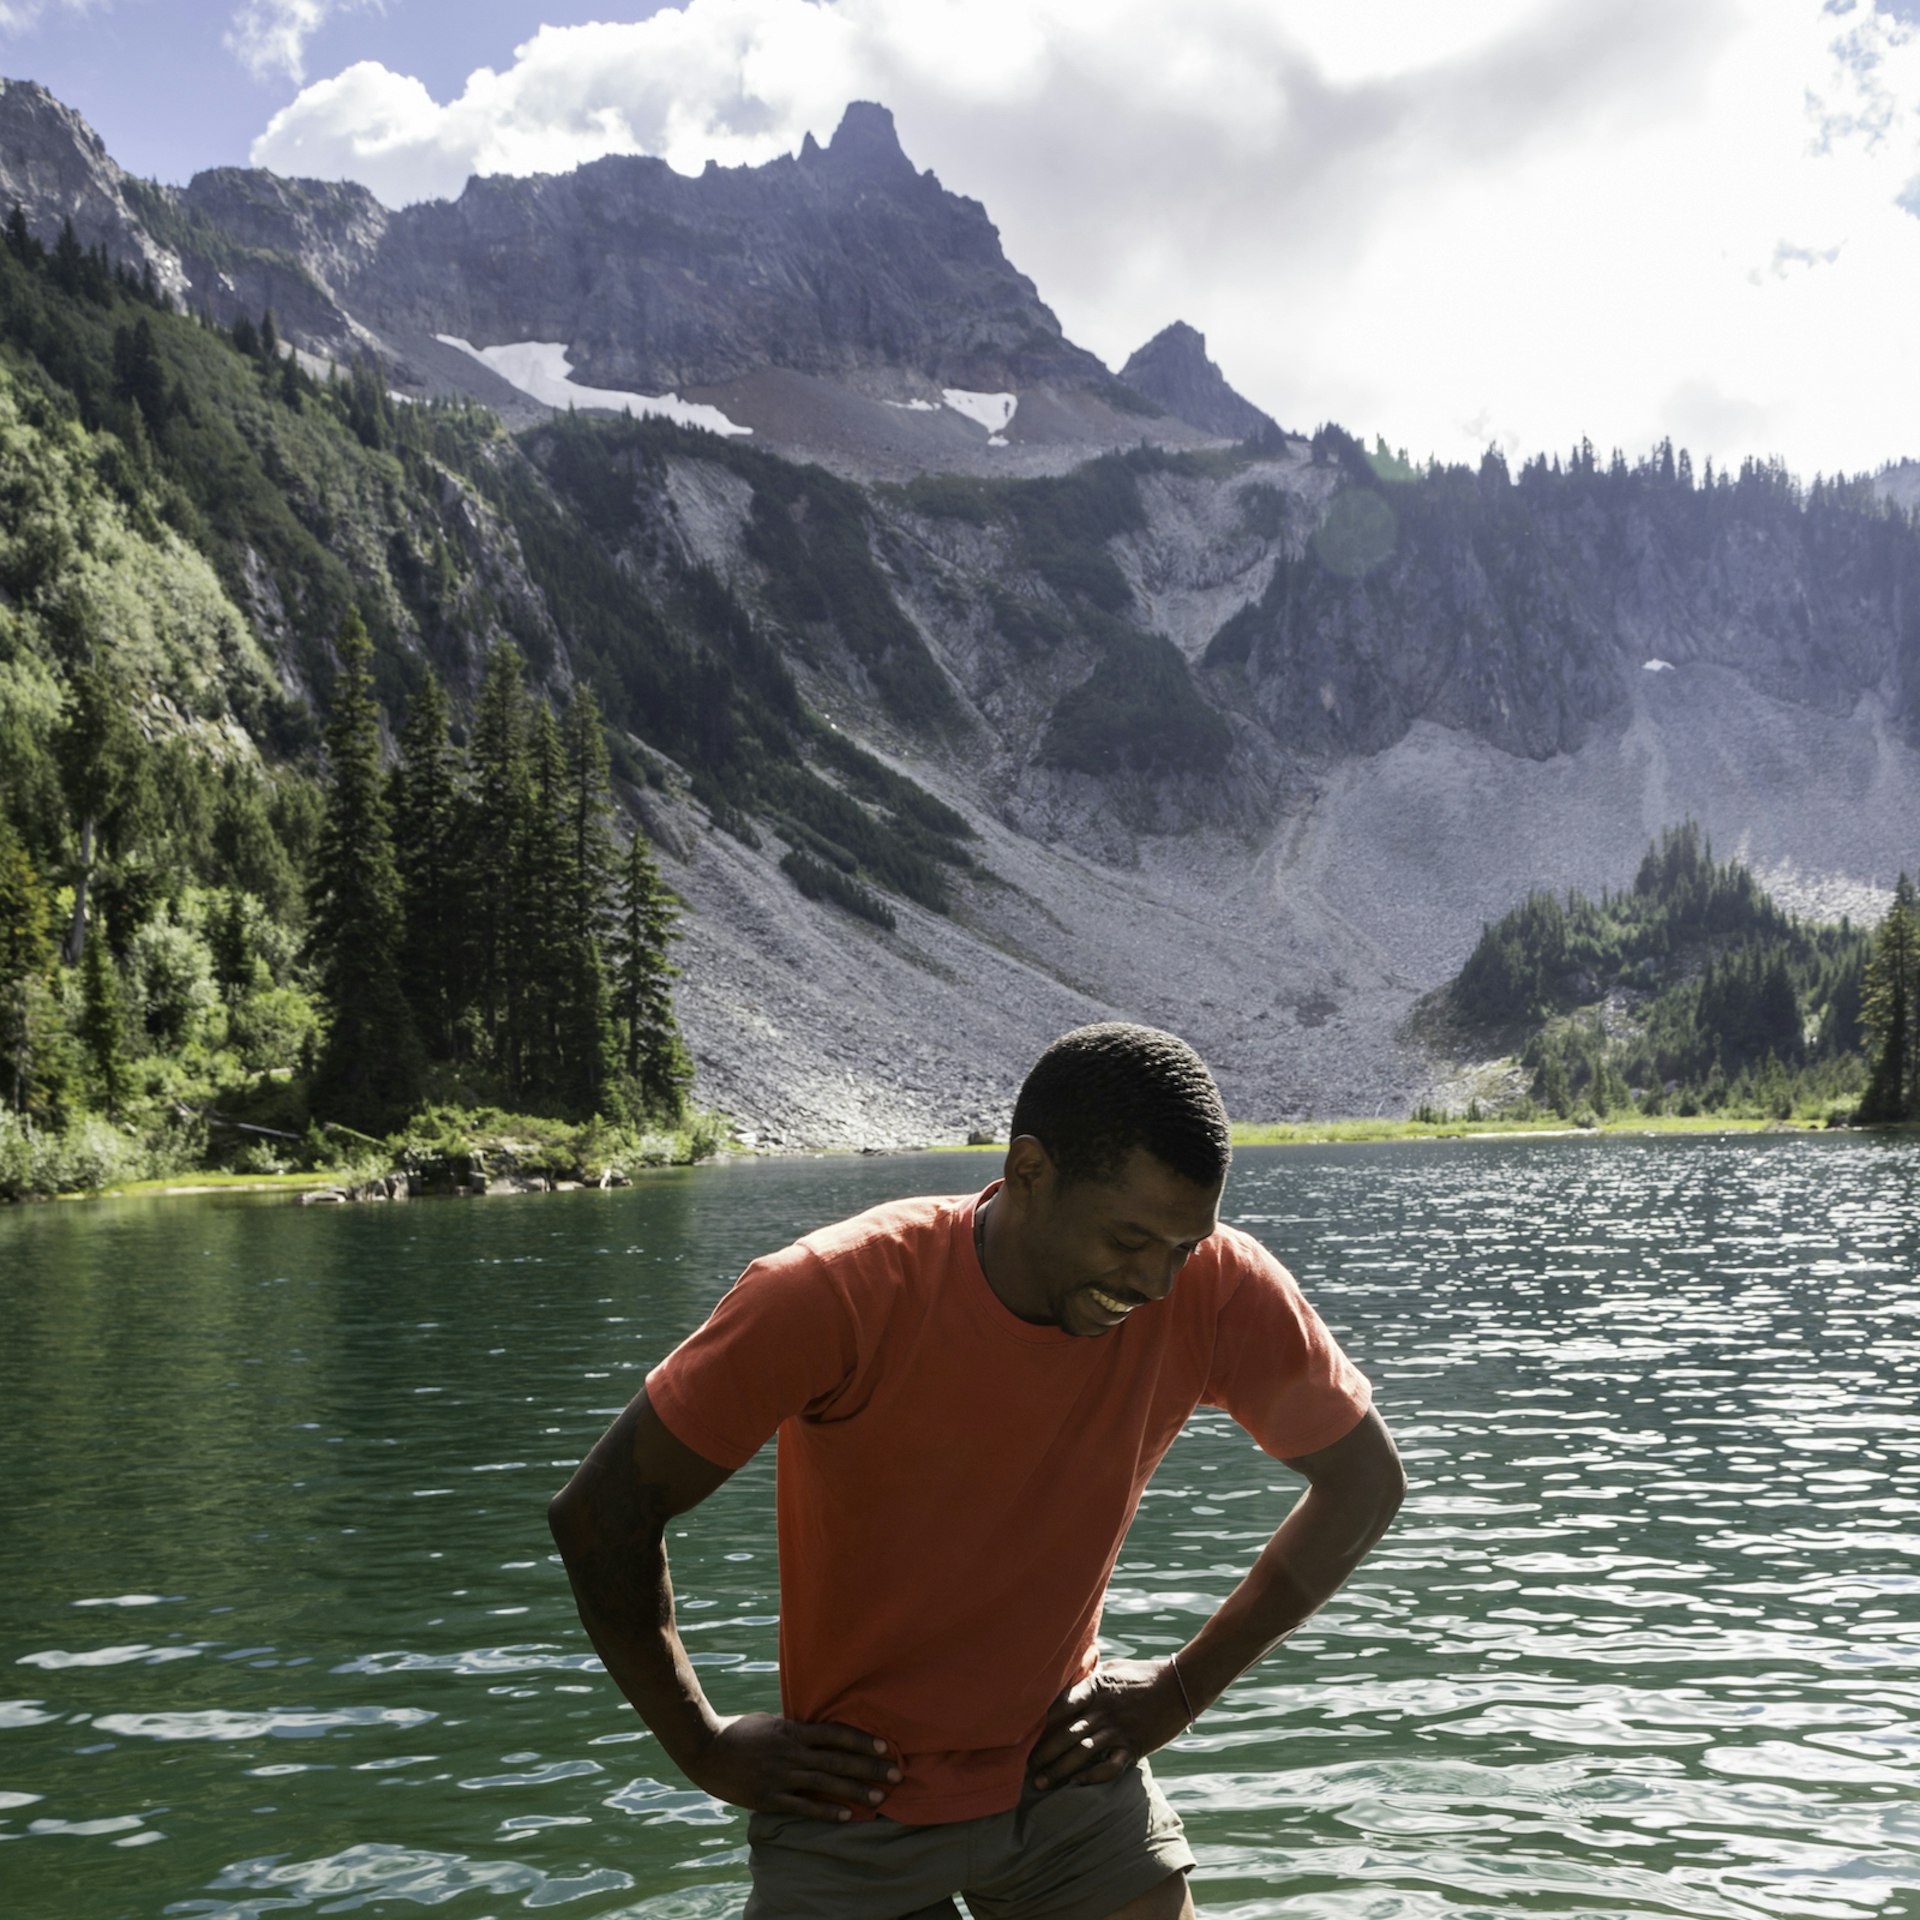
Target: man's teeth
x,y
1108,1304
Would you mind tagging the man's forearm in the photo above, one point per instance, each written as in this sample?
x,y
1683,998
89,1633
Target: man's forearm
x,y
1306,1562
625,1598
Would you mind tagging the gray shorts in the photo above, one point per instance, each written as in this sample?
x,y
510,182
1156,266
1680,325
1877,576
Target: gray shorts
x,y
1077,1853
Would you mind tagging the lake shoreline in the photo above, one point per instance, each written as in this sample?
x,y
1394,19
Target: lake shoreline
x,y
341,1188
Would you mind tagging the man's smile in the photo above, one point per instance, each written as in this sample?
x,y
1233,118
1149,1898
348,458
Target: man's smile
x,y
1111,1303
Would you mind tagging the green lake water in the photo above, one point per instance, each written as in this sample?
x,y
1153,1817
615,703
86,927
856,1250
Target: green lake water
x,y
281,1632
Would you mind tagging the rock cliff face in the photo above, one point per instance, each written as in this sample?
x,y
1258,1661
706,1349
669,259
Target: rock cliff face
x,y
843,260
825,301
55,167
1173,371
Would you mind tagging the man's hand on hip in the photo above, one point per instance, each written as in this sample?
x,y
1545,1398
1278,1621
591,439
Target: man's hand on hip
x,y
770,1765
1101,1725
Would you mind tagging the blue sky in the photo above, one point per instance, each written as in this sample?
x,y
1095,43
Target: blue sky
x,y
169,96
1452,222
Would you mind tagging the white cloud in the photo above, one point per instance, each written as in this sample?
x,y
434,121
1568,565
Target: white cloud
x,y
1444,220
269,37
22,16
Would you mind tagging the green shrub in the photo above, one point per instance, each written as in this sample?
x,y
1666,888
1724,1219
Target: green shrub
x,y
820,882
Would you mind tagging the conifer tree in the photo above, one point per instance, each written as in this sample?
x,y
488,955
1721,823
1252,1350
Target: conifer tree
x,y
230,940
537,959
497,825
103,1025
586,1034
1890,1011
369,1070
98,753
26,950
653,1054
429,827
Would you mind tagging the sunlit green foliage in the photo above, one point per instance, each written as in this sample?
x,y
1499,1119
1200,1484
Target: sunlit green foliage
x,y
1714,998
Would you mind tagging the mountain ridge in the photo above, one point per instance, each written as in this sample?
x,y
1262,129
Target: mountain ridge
x,y
1251,738
828,300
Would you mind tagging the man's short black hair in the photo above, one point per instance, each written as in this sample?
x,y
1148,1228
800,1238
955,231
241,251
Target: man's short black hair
x,y
1099,1092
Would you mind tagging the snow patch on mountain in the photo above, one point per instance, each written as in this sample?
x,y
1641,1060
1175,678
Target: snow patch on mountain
x,y
541,369
994,411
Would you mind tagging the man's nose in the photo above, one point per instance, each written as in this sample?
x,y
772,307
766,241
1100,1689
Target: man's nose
x,y
1153,1278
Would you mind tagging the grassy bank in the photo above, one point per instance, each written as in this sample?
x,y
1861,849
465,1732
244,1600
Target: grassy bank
x,y
1311,1133
440,1149
1323,1132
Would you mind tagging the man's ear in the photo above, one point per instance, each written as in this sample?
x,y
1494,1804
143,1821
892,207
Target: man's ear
x,y
1028,1171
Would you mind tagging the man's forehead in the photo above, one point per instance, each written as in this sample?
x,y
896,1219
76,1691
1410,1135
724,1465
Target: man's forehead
x,y
1149,1194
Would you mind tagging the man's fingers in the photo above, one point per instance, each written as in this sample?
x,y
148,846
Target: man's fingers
x,y
845,1750
1082,1750
854,1793
831,1733
1110,1766
1066,1705
799,1803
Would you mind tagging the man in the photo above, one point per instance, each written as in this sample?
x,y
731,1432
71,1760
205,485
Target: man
x,y
970,1395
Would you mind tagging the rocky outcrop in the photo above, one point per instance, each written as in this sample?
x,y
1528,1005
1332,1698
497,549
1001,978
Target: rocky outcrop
x,y
54,167
825,301
843,259
1173,371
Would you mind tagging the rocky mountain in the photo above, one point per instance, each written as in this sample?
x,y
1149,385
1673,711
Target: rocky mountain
x,y
55,167
1248,742
839,303
1173,371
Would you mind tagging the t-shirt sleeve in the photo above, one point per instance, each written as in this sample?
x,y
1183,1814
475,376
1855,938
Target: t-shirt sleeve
x,y
1276,1368
780,1343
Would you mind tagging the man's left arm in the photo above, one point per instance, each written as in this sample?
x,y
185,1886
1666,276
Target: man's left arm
x,y
1128,1708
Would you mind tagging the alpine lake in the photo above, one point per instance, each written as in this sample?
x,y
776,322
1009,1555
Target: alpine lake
x,y
281,1630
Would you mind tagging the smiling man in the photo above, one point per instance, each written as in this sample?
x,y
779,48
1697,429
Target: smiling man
x,y
970,1395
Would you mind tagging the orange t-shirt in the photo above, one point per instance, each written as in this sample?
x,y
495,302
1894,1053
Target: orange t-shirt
x,y
954,1483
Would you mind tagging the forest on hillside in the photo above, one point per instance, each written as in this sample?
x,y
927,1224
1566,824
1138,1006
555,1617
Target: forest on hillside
x,y
1690,991
224,939
325,720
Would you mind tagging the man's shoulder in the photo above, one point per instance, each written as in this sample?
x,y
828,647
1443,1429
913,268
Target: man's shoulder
x,y
1230,1258
898,1232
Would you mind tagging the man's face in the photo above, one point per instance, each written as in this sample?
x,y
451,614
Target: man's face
x,y
1093,1254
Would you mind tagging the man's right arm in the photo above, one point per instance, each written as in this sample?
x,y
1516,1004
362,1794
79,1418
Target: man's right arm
x,y
610,1523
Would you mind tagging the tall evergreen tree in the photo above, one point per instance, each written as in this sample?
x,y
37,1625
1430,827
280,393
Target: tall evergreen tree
x,y
1890,1011
586,1034
369,1072
653,1053
497,826
103,1025
98,752
541,887
26,950
429,823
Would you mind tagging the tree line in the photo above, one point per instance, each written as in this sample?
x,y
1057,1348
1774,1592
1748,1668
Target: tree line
x,y
474,916
1693,990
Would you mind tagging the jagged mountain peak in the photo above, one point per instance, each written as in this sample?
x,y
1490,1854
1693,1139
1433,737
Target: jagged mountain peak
x,y
54,167
1174,372
866,134
25,102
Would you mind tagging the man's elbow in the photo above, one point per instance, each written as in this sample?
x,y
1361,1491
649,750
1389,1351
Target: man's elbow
x,y
1377,1485
1389,1495
567,1520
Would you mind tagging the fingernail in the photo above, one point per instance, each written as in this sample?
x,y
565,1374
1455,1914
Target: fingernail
x,y
845,1813
879,1746
1039,1779
875,1796
893,1775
